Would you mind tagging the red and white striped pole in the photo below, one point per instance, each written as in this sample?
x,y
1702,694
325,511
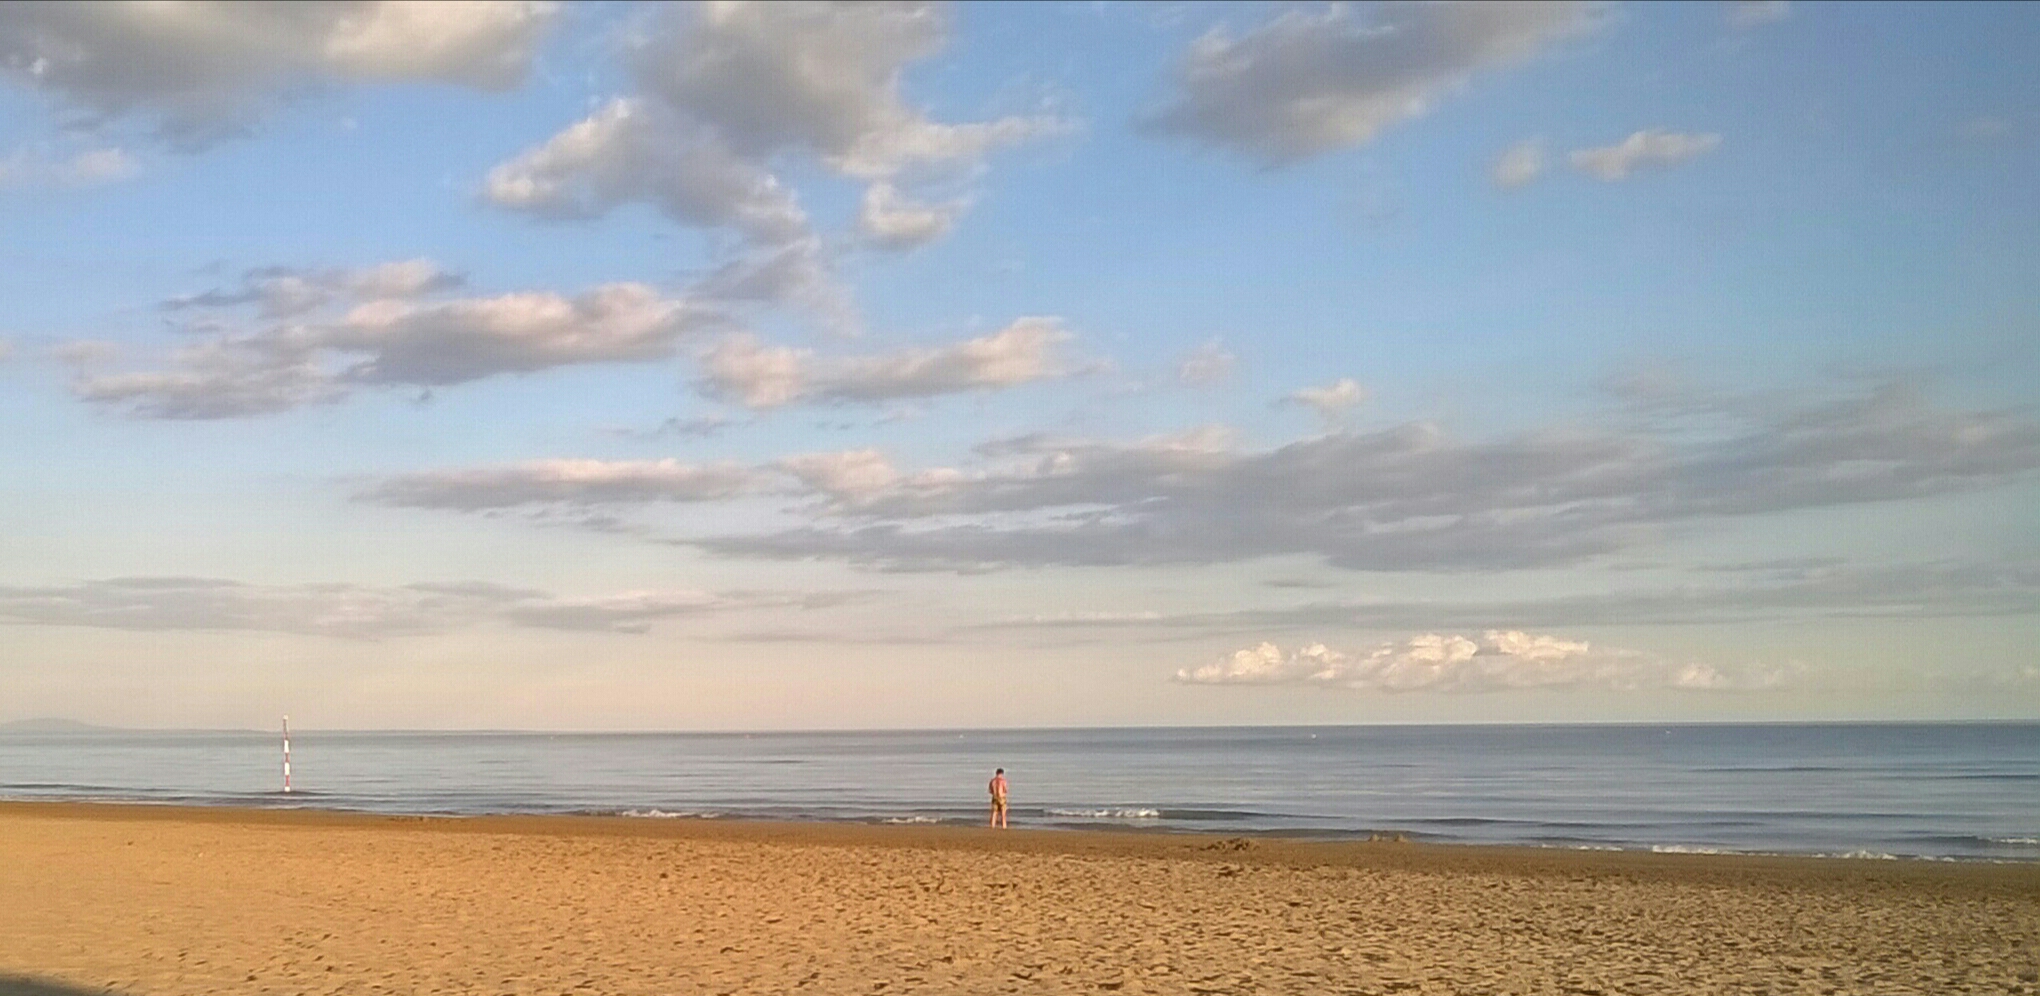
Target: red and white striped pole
x,y
286,753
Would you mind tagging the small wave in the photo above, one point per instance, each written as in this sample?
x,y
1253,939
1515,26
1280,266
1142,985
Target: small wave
x,y
1860,854
1109,814
901,820
2017,841
1684,849
661,814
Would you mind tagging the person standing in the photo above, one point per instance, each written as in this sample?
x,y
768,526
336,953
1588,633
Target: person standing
x,y
998,788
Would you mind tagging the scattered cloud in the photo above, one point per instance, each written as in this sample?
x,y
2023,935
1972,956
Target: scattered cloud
x,y
1498,660
33,166
219,378
818,78
723,91
387,329
1519,165
1746,14
891,221
204,71
449,342
1210,363
1408,497
1654,149
283,292
845,476
1330,401
633,151
1304,83
363,612
697,426
742,370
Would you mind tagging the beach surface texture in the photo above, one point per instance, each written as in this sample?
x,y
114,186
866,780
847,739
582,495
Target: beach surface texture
x,y
158,901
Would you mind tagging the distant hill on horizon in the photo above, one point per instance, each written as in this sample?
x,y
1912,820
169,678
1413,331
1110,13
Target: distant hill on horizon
x,y
52,724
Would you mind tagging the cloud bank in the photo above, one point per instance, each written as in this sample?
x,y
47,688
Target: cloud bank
x,y
1408,497
581,482
1498,660
363,612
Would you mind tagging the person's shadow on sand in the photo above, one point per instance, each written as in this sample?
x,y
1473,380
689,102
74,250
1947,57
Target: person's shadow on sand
x,y
25,985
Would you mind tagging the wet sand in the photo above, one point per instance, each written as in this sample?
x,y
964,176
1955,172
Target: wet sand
x,y
158,901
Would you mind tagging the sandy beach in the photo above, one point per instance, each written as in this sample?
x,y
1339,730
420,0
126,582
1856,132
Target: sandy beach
x,y
162,901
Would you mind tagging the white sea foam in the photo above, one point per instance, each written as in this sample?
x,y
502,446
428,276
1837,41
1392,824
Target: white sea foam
x,y
1109,814
1684,849
660,814
2022,841
911,819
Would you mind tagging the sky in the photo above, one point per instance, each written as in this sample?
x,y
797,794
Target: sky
x,y
784,366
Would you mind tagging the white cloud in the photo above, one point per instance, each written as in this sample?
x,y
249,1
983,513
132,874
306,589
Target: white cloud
x,y
203,71
888,219
742,370
1746,14
726,88
1305,84
363,612
448,342
631,151
1210,363
1519,165
1330,401
580,482
847,475
1654,149
821,78
1498,660
391,332
754,375
402,279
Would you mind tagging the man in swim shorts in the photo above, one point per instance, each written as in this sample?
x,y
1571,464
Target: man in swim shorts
x,y
998,788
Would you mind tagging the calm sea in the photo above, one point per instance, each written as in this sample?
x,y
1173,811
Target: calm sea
x,y
1937,790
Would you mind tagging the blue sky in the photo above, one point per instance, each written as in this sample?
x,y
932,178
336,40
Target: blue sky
x,y
762,366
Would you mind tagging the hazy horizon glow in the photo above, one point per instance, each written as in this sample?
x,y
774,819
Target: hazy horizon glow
x,y
781,366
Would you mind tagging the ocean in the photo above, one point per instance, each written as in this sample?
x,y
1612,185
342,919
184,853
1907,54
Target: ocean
x,y
1952,791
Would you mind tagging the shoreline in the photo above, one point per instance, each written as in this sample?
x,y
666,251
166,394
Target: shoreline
x,y
152,900
904,829
1384,850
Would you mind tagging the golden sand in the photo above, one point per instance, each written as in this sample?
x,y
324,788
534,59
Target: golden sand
x,y
159,901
